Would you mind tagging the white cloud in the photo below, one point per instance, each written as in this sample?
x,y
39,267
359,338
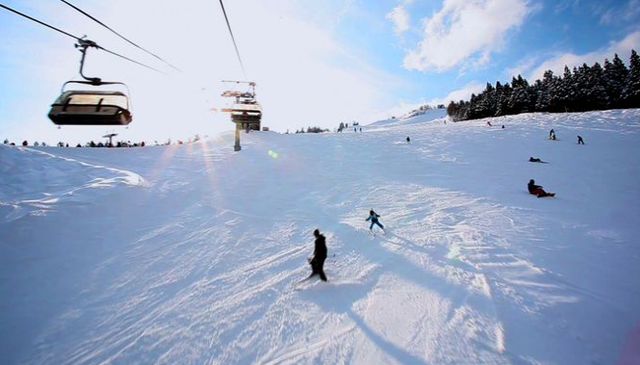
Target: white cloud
x,y
400,19
556,63
628,13
405,107
460,94
465,33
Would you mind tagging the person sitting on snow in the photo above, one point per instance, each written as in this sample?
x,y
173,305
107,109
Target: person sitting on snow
x,y
537,190
580,140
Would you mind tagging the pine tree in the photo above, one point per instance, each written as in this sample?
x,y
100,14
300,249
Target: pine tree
x,y
615,76
631,93
502,107
543,90
596,96
520,99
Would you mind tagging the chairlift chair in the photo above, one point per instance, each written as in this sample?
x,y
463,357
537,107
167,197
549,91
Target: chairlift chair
x,y
91,107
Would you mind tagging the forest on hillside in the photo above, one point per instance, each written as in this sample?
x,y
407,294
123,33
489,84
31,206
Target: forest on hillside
x,y
584,88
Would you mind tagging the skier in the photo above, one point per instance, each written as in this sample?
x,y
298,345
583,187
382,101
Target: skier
x,y
319,256
373,217
552,134
408,140
580,140
537,190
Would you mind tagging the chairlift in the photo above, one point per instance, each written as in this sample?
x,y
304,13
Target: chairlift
x,y
91,107
246,112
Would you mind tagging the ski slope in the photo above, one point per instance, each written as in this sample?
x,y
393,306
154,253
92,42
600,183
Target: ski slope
x,y
190,254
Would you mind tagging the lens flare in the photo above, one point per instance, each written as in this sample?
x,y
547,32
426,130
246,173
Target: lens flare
x,y
273,154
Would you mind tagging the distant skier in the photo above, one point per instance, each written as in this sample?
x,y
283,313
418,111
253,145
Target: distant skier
x,y
25,143
373,217
552,134
408,140
489,124
503,126
319,256
580,140
537,190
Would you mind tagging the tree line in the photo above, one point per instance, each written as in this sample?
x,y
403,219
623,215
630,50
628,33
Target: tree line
x,y
584,88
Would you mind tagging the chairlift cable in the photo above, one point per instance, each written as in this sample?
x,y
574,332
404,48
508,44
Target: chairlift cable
x,y
130,60
232,37
77,38
40,22
119,35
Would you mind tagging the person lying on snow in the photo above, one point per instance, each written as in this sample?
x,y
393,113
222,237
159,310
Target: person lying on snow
x,y
537,190
532,159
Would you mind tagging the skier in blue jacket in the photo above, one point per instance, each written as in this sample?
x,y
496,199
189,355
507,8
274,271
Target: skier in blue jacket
x,y
373,217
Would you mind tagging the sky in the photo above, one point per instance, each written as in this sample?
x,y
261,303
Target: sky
x,y
316,63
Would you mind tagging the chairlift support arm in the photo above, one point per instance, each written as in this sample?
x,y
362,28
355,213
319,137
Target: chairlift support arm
x,y
83,45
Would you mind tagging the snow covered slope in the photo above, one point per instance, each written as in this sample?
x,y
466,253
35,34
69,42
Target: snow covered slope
x,y
428,116
190,254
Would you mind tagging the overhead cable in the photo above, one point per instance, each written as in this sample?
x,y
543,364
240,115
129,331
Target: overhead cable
x,y
118,34
37,21
232,37
76,37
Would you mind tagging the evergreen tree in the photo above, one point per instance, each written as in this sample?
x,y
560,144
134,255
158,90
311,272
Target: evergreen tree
x,y
520,98
543,90
615,76
502,104
631,93
595,92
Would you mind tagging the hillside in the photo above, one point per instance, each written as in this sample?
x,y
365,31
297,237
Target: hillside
x,y
190,254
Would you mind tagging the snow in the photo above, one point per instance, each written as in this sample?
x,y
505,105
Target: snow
x,y
426,116
190,254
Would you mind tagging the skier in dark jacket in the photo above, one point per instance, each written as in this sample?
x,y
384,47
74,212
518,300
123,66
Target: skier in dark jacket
x,y
319,256
537,190
373,217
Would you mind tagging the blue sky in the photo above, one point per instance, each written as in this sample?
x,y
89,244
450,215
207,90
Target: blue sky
x,y
317,63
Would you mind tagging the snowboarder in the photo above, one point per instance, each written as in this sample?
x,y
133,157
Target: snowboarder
x,y
408,140
580,140
531,159
373,217
552,134
537,190
319,256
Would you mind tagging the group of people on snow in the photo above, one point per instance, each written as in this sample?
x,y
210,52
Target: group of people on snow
x,y
320,247
537,189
